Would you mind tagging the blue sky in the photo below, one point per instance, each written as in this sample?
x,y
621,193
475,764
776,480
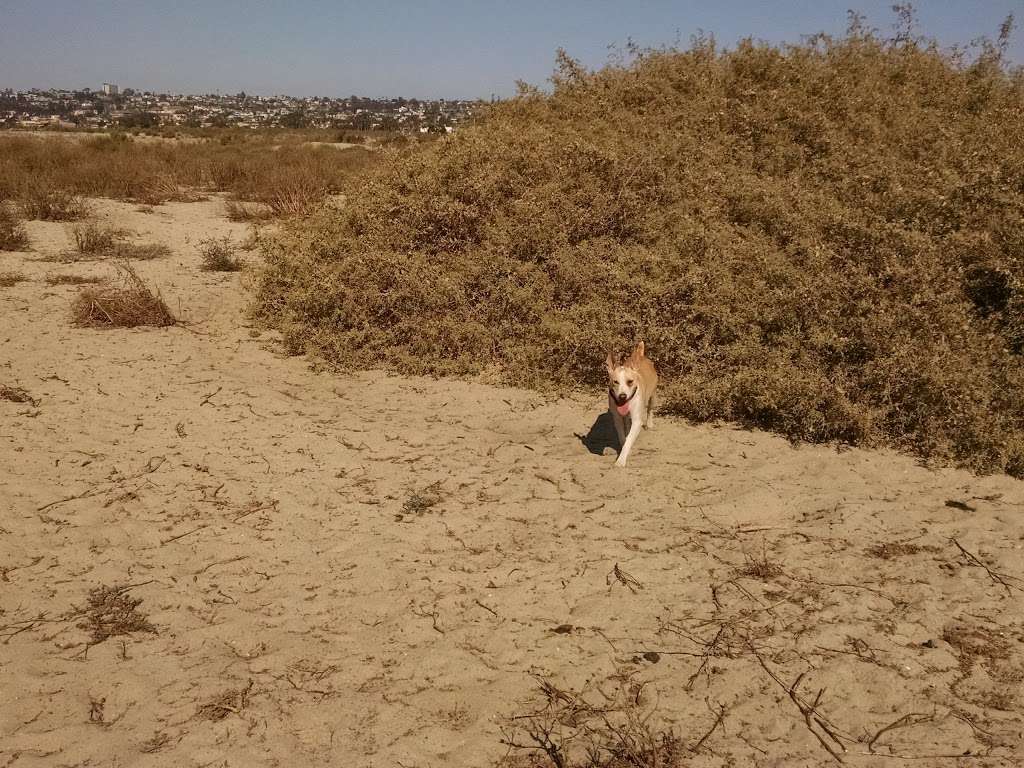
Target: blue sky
x,y
431,48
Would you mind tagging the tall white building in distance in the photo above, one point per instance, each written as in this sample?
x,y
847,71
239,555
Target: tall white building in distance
x,y
110,89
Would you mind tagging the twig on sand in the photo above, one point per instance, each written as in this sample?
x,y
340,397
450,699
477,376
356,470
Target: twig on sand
x,y
809,711
910,719
999,578
623,578
720,716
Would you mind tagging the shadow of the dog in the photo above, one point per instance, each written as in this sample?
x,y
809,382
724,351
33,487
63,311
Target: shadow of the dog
x,y
601,435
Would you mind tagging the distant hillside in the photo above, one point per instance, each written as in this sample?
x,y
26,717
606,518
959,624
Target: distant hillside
x,y
824,239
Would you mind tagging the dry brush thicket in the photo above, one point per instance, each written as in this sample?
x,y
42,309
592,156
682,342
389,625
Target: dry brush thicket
x,y
47,175
820,239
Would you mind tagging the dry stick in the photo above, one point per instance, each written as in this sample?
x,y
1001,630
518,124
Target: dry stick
x,y
809,712
997,577
486,608
183,535
718,721
220,562
206,399
912,718
624,578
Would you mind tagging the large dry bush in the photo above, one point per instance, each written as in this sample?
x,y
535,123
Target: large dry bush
x,y
820,239
42,172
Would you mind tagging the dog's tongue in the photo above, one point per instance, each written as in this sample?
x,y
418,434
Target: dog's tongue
x,y
623,409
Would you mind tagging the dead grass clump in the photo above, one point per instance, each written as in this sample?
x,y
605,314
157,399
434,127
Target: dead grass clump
x,y
140,251
111,611
420,502
17,395
888,550
220,255
126,306
759,567
73,279
11,278
42,204
232,701
791,229
242,212
12,234
568,730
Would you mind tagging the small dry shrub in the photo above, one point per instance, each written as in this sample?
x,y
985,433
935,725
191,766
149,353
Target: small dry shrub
x,y
567,729
111,611
12,234
220,255
42,204
11,278
126,306
809,238
94,238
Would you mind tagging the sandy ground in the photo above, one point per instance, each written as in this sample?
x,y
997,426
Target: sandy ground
x,y
358,569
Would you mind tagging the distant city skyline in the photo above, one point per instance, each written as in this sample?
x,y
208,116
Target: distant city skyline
x,y
459,49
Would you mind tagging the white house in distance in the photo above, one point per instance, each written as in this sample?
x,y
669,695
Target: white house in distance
x,y
110,89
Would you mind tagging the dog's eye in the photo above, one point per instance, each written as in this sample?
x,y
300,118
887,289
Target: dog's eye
x,y
629,382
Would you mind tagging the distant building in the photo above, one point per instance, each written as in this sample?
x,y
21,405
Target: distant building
x,y
110,89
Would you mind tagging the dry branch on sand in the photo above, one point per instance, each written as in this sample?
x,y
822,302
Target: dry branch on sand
x,y
126,306
569,730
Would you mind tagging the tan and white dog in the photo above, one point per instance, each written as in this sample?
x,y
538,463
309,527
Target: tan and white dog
x,y
631,385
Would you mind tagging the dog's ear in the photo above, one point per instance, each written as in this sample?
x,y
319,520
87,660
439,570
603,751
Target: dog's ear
x,y
611,363
639,349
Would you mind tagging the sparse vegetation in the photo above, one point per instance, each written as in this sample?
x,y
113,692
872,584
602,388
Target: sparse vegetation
x,y
94,242
42,203
126,306
48,175
220,255
12,234
817,239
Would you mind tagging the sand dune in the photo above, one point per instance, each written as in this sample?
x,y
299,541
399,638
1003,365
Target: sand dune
x,y
361,569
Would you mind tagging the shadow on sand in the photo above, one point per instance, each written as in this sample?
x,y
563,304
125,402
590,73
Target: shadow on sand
x,y
601,435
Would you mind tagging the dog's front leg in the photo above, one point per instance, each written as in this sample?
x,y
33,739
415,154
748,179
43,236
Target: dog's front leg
x,y
620,428
627,445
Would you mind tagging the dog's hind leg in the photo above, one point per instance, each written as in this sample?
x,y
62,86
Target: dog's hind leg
x,y
649,414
